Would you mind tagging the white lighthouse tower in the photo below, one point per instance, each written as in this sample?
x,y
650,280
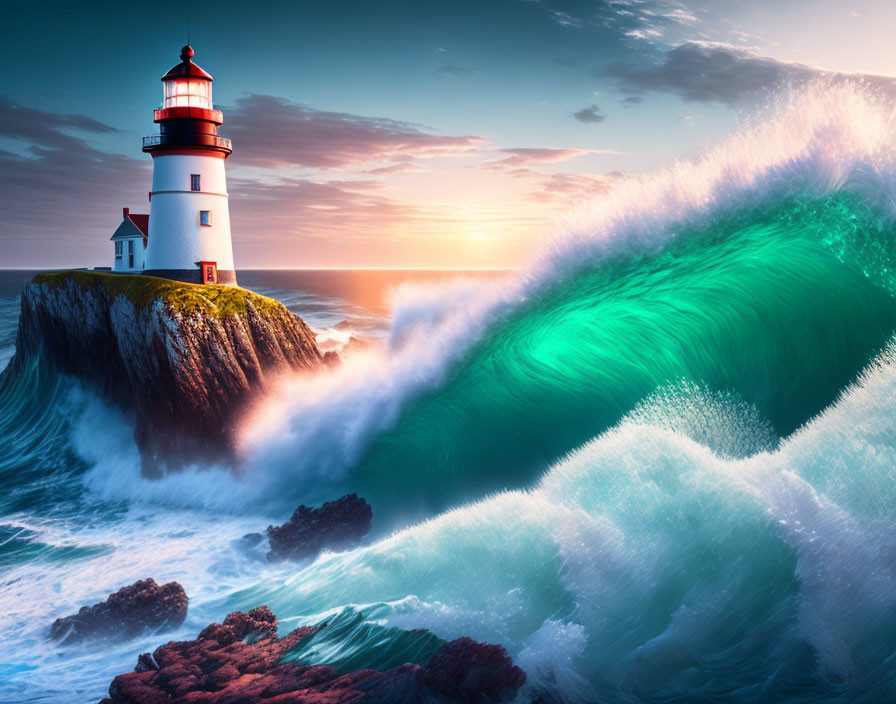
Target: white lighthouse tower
x,y
189,219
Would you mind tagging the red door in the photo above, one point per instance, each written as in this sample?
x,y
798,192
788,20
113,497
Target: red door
x,y
209,272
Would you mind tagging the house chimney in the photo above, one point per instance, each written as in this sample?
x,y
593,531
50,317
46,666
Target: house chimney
x,y
124,212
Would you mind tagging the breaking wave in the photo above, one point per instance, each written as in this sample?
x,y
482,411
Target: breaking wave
x,y
763,270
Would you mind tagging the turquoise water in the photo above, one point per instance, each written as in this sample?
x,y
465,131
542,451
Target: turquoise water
x,y
775,305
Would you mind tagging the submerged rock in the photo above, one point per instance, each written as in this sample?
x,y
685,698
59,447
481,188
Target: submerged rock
x,y
332,358
335,354
129,612
241,661
337,525
466,671
355,344
185,359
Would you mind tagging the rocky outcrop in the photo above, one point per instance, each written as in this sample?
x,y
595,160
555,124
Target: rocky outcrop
x,y
337,525
466,671
242,661
129,612
185,359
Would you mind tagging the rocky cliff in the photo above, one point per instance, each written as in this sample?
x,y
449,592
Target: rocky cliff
x,y
185,359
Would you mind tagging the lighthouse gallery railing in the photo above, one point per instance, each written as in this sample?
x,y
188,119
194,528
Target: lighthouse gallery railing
x,y
176,140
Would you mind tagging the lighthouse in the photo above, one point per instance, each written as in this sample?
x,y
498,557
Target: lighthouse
x,y
189,219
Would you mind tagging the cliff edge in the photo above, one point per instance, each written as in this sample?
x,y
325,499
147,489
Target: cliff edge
x,y
185,359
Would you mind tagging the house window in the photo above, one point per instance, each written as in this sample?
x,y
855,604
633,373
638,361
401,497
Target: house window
x,y
118,249
130,254
194,182
205,218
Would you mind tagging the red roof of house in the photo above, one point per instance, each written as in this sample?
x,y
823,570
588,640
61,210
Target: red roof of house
x,y
141,221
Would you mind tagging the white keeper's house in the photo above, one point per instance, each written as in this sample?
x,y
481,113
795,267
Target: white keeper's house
x,y
186,235
130,240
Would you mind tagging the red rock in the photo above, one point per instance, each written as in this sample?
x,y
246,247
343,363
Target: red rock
x,y
336,525
239,662
129,612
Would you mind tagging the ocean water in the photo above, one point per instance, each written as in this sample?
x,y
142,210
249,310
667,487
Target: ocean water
x,y
658,463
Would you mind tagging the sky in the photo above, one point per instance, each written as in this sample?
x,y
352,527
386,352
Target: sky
x,y
394,134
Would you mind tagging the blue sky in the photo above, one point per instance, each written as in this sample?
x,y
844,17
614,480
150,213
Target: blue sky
x,y
393,133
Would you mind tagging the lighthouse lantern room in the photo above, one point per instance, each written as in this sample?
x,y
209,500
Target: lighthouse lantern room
x,y
189,223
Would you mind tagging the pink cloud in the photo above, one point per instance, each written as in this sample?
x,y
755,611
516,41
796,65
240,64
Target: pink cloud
x,y
523,156
273,132
563,189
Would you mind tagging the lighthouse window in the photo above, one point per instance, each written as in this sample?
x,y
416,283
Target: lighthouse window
x,y
194,182
183,93
118,249
205,217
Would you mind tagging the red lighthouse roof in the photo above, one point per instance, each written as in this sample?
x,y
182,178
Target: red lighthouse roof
x,y
186,68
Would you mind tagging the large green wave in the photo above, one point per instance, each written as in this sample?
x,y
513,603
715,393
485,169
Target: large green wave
x,y
781,305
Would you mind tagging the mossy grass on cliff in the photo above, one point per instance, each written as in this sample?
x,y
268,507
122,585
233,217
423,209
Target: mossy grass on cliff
x,y
212,299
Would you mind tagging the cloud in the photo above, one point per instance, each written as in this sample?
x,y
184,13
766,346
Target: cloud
x,y
523,156
707,73
634,19
590,115
647,33
45,129
712,72
400,167
61,198
632,100
562,189
442,71
681,15
344,209
272,132
564,19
